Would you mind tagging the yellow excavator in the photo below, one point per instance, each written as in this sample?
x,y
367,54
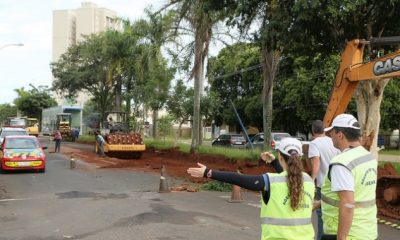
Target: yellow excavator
x,y
351,71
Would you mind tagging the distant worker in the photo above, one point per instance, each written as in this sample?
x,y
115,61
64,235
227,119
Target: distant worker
x,y
75,134
348,193
320,152
287,197
100,140
57,140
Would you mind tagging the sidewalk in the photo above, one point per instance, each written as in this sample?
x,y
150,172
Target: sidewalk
x,y
388,158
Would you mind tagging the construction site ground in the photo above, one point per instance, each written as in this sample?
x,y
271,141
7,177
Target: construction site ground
x,y
176,163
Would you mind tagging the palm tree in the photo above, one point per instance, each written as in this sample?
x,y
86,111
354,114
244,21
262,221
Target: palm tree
x,y
201,23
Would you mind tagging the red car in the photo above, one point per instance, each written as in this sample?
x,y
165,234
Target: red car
x,y
22,153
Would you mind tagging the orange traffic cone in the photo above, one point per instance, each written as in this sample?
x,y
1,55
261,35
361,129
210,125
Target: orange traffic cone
x,y
163,182
236,196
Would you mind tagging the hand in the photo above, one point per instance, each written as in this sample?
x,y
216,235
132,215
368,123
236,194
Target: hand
x,y
316,204
267,157
197,172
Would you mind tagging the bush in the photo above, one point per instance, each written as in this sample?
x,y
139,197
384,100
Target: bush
x,y
217,186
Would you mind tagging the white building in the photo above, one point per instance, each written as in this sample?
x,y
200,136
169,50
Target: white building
x,y
69,26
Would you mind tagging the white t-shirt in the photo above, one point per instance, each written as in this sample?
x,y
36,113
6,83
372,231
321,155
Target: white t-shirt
x,y
323,148
341,179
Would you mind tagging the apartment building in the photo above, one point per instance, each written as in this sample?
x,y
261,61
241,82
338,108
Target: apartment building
x,y
69,27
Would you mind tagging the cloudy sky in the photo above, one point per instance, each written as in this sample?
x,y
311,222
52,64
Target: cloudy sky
x,y
30,22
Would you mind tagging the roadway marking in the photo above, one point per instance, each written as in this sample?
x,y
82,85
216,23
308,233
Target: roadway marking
x,y
389,224
113,163
78,154
14,199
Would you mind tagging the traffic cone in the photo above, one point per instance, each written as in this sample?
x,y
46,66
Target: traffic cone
x,y
163,182
72,163
236,196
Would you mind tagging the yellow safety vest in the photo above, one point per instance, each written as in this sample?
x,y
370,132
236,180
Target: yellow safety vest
x,y
363,166
278,220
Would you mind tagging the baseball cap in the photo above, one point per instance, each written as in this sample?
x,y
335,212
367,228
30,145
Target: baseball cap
x,y
345,121
288,144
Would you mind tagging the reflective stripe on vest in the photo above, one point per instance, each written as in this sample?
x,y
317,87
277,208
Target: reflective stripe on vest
x,y
285,221
351,165
363,159
279,178
336,203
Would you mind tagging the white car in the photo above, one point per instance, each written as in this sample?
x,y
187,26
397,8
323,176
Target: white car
x,y
9,131
46,131
276,137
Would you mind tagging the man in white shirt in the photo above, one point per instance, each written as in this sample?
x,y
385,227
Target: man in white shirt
x,y
349,190
320,152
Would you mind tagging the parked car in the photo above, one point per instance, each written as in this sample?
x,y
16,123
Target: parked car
x,y
46,131
22,153
276,137
230,140
8,131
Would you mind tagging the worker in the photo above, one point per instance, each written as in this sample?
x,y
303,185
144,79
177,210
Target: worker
x,y
100,140
286,197
320,153
348,193
57,139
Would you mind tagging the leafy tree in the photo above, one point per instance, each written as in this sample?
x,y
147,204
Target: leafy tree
x,y
273,20
234,76
180,104
331,23
7,110
153,71
165,124
192,17
390,108
84,68
32,102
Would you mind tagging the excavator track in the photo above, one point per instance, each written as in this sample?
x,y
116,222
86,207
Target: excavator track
x,y
388,196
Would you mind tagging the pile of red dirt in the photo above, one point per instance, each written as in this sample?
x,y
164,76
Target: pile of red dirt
x,y
175,162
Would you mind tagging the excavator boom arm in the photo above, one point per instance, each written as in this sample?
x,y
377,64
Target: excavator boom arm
x,y
352,70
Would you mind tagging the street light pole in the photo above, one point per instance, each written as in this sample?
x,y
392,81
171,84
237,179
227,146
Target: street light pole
x,y
12,44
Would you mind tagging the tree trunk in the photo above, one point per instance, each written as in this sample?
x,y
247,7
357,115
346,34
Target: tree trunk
x,y
198,70
155,124
270,61
369,97
177,133
128,99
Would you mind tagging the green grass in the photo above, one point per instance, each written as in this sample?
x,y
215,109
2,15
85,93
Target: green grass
x,y
396,166
230,153
86,138
395,152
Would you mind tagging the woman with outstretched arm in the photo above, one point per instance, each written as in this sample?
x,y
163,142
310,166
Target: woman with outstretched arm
x,y
287,197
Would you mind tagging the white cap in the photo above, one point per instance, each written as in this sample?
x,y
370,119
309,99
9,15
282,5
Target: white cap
x,y
288,144
344,121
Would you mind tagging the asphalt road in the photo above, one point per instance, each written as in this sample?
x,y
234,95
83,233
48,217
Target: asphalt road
x,y
91,203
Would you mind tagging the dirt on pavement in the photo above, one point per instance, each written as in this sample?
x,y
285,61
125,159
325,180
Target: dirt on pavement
x,y
175,162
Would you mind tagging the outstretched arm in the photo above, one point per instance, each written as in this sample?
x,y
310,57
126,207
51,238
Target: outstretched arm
x,y
250,182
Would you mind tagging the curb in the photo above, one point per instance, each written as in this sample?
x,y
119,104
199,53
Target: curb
x,y
389,223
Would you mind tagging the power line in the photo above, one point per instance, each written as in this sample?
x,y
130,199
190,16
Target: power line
x,y
243,70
